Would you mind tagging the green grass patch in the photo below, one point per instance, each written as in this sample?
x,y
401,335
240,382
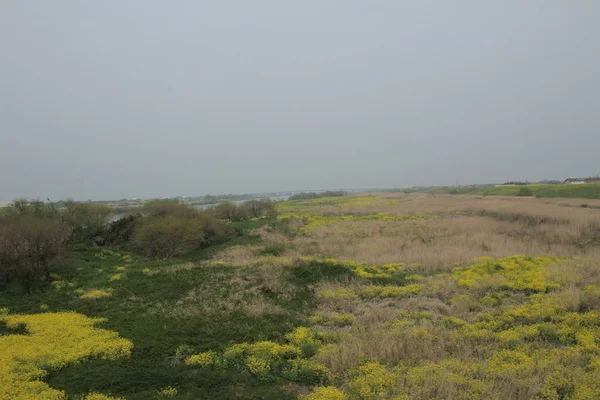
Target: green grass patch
x,y
580,191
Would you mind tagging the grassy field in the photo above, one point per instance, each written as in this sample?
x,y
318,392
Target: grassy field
x,y
383,296
581,191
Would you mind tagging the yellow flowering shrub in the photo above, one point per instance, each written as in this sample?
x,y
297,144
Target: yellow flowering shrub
x,y
301,335
62,284
100,396
447,379
258,366
510,337
94,294
371,381
305,339
167,392
127,259
307,371
415,278
119,268
336,293
391,291
203,359
519,273
454,322
325,393
509,363
114,277
331,319
245,355
268,359
53,341
369,271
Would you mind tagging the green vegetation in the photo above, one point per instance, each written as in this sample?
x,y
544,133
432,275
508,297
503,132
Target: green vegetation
x,y
583,191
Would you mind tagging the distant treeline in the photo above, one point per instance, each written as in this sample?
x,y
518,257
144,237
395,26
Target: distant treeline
x,y
35,234
580,191
313,195
544,182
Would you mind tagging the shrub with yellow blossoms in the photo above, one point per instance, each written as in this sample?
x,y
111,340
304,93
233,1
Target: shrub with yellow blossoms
x,y
528,274
267,360
100,396
167,392
95,294
325,393
115,277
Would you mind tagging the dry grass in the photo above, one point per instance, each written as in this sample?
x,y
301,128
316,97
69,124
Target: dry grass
x,y
207,301
246,289
426,203
464,228
259,307
172,269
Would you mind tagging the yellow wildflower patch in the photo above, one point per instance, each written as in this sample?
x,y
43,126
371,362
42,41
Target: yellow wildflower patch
x,y
391,291
114,277
100,396
372,381
95,294
268,359
167,392
54,341
518,273
325,393
203,359
365,270
336,293
313,221
127,259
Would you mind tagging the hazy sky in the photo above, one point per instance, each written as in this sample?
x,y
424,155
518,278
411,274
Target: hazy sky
x,y
111,99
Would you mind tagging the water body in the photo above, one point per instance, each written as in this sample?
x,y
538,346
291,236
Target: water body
x,y
206,206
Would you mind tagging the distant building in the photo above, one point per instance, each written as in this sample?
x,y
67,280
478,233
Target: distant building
x,y
591,179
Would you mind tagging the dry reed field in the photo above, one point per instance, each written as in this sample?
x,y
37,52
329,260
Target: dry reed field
x,y
454,230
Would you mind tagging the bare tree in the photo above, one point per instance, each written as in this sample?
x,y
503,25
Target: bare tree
x,y
28,245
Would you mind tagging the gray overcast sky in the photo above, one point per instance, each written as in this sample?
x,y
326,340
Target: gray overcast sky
x,y
110,99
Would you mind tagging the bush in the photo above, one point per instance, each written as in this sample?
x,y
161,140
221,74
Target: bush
x,y
167,229
229,211
525,191
34,209
163,208
88,223
165,237
261,208
216,231
274,249
119,232
28,246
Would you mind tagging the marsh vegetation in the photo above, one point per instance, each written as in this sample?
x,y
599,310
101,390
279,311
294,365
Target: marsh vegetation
x,y
377,296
